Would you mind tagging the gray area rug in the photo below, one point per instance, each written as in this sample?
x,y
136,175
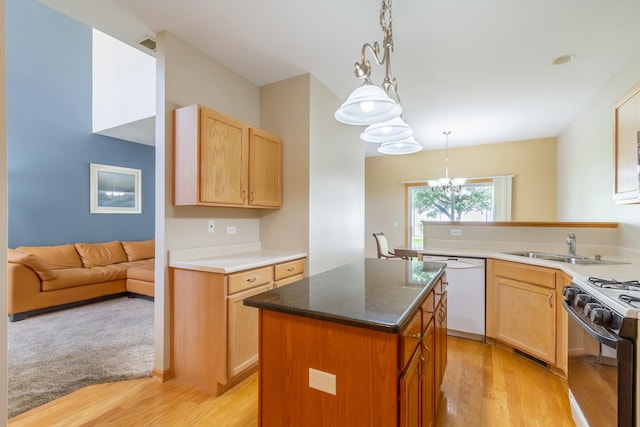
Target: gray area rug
x,y
56,353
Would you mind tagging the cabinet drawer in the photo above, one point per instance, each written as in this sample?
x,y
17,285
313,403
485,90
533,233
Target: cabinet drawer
x,y
428,307
249,279
288,280
540,276
288,269
410,338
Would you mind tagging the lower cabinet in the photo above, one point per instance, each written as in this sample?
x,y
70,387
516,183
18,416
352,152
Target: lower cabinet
x,y
430,388
214,342
524,310
410,388
440,356
422,376
381,378
243,331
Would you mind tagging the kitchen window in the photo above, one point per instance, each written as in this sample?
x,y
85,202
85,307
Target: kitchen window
x,y
479,199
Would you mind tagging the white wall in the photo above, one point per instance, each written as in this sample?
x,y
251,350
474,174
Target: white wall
x,y
284,110
586,161
187,76
323,175
124,86
336,185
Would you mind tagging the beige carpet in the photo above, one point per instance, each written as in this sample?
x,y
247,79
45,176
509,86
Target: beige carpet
x,y
56,353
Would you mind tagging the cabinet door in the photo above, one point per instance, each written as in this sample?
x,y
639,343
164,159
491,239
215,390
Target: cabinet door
x,y
441,344
265,169
223,151
410,398
243,331
430,389
527,318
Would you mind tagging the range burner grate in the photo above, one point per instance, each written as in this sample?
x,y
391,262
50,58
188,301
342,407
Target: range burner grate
x,y
614,284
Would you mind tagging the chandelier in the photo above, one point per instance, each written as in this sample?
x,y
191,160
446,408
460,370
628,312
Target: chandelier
x,y
446,183
378,107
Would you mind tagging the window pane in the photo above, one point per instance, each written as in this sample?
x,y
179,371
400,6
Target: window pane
x,y
474,202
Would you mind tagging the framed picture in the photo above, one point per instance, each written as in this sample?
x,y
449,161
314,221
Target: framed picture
x,y
115,190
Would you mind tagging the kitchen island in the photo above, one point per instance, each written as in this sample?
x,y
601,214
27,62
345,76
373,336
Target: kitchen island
x,y
359,345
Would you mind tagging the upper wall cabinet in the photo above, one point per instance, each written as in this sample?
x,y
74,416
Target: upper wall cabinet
x,y
627,147
220,161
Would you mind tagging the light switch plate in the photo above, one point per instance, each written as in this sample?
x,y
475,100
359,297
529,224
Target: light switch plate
x,y
456,231
322,381
211,226
231,229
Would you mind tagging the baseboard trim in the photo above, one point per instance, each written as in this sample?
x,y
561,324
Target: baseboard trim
x,y
162,376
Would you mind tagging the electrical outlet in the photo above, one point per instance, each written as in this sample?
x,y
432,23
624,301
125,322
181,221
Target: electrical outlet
x,y
231,229
456,231
211,226
322,381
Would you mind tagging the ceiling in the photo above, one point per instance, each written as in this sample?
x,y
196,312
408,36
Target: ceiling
x,y
480,69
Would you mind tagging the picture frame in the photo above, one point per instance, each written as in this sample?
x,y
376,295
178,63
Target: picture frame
x,y
115,189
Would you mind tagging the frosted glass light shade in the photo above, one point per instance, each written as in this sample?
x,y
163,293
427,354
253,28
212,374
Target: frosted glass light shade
x,y
368,104
408,146
389,131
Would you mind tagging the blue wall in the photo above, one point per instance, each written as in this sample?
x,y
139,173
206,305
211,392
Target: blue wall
x,y
50,141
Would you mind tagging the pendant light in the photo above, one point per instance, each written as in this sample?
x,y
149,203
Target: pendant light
x,y
378,106
446,183
406,146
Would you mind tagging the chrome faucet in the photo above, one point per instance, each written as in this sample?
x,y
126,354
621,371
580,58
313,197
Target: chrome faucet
x,y
571,241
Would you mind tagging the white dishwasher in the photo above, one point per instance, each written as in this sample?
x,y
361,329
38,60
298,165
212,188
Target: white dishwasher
x,y
465,295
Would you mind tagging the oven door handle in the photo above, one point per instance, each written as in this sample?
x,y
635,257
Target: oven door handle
x,y
610,341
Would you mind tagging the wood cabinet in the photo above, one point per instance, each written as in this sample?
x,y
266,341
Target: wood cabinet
x,y
243,331
221,161
627,147
440,356
430,387
419,396
411,378
523,309
288,272
382,378
214,336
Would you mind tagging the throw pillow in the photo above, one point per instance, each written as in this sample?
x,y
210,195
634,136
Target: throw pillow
x,y
32,261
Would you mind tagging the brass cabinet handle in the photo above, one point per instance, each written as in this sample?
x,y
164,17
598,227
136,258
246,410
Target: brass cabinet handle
x,y
428,360
290,268
550,301
417,336
253,195
244,194
252,279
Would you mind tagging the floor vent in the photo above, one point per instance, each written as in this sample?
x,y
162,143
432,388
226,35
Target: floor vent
x,y
531,358
149,43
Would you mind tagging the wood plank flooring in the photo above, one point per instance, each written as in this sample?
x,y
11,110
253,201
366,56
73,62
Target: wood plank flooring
x,y
484,385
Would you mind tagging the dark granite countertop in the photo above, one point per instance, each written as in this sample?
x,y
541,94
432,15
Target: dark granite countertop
x,y
373,293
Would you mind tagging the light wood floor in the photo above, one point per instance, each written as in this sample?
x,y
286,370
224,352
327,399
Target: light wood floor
x,y
484,385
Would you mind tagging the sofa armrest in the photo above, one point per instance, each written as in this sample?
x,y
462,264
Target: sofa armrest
x,y
22,284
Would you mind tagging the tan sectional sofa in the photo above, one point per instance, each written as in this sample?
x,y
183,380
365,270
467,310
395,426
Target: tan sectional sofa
x,y
47,278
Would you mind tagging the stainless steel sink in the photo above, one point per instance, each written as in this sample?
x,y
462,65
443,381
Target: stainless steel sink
x,y
569,259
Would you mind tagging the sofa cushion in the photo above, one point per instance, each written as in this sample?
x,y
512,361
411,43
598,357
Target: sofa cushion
x,y
144,249
145,272
58,257
32,261
98,254
73,277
